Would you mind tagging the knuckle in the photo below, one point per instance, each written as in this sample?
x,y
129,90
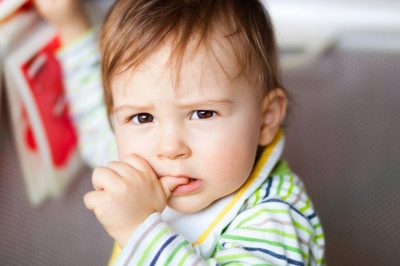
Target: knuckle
x,y
131,158
116,166
122,188
98,171
112,164
136,161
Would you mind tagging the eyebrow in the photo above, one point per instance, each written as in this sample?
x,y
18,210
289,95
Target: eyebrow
x,y
205,103
189,105
131,107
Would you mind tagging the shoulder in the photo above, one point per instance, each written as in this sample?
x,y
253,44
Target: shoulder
x,y
282,187
281,211
283,192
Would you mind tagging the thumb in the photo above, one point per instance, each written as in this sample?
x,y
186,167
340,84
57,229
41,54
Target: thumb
x,y
169,183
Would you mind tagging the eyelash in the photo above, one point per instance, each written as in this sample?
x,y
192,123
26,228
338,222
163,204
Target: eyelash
x,y
208,112
135,118
199,113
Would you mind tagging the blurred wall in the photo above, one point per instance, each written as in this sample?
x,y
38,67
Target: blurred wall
x,y
343,139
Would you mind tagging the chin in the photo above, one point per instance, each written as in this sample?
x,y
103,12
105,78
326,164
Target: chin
x,y
187,207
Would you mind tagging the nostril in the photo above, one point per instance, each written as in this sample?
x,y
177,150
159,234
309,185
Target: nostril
x,y
173,151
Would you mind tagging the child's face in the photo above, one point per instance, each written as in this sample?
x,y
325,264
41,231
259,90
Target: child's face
x,y
207,129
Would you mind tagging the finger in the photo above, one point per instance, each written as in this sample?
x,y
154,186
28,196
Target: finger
x,y
105,178
138,162
123,169
169,183
91,199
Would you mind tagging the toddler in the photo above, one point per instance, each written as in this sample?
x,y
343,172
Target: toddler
x,y
195,101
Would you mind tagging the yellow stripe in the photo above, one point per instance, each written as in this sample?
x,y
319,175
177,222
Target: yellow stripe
x,y
114,255
264,157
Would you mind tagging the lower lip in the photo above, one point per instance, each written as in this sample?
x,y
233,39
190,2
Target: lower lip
x,y
190,187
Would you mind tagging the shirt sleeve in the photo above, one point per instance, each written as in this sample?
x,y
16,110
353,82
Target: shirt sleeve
x,y
80,64
153,243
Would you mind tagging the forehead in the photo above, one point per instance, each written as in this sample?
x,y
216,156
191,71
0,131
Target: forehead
x,y
210,65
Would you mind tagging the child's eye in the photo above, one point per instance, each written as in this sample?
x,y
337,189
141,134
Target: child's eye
x,y
142,118
202,114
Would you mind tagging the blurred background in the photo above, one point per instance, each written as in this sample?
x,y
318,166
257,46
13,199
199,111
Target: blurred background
x,y
341,66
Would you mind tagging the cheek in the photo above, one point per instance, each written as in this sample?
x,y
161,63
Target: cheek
x,y
230,153
129,142
123,145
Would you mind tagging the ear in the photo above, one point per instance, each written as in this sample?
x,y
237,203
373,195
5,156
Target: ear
x,y
273,111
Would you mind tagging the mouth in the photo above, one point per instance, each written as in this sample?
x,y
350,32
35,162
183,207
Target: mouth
x,y
192,186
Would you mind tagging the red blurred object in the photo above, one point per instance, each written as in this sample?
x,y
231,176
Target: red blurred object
x,y
47,90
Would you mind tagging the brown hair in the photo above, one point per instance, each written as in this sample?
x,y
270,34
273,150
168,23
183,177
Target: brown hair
x,y
134,29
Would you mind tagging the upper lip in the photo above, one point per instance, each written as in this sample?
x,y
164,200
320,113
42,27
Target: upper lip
x,y
176,175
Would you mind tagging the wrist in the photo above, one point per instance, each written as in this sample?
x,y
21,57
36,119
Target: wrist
x,y
137,234
124,236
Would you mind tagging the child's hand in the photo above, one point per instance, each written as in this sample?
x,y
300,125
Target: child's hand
x,y
126,193
67,16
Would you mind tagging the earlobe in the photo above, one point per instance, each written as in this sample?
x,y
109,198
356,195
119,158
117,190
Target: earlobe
x,y
273,111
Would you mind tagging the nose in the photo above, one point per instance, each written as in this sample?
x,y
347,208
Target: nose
x,y
171,144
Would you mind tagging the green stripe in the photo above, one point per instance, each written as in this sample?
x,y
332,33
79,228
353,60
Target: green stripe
x,y
257,195
277,211
151,246
184,258
316,226
250,217
262,211
272,243
219,246
235,264
280,185
233,257
172,255
302,227
306,207
273,231
316,238
282,168
290,189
